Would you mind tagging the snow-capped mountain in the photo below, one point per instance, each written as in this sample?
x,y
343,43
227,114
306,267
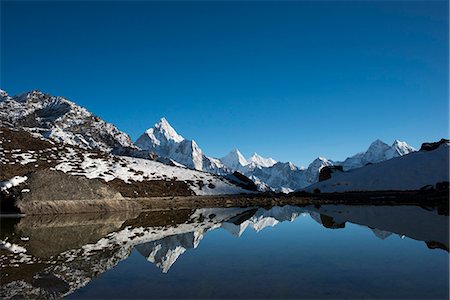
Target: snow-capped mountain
x,y
313,170
269,174
163,140
259,161
61,120
408,172
378,151
283,177
287,177
235,161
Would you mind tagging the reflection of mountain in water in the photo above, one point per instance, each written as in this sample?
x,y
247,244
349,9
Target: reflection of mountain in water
x,y
412,221
261,218
164,252
64,253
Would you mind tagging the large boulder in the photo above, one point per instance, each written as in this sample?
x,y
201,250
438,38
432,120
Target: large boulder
x,y
433,146
325,172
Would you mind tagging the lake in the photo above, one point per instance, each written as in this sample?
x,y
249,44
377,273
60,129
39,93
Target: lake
x,y
328,251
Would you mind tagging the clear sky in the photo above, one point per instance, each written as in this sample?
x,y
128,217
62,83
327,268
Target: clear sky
x,y
291,80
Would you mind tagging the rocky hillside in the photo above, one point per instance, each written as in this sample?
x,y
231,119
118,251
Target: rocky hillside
x,y
60,120
35,169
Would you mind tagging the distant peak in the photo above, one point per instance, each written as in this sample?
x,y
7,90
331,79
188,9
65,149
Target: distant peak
x,y
162,131
234,158
399,143
377,141
33,94
292,166
164,128
163,121
402,147
262,161
320,159
256,155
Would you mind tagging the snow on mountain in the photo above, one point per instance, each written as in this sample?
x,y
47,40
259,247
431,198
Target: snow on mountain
x,y
377,152
285,177
163,140
131,169
269,174
408,172
61,120
235,160
260,161
313,170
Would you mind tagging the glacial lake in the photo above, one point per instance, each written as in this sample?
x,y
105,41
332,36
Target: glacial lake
x,y
328,251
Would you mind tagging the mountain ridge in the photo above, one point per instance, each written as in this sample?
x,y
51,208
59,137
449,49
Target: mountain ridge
x,y
59,119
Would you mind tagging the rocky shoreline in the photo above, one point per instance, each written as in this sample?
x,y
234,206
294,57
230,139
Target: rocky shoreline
x,y
436,199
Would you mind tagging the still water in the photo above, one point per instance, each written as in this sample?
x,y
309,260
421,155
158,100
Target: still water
x,y
329,251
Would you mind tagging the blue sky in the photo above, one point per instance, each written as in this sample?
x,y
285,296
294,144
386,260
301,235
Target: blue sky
x,y
291,80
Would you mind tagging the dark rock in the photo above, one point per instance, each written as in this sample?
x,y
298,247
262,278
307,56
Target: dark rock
x,y
325,172
442,186
436,245
242,181
433,146
329,222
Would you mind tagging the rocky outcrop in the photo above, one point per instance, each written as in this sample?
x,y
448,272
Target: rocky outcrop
x,y
325,172
433,146
243,181
48,192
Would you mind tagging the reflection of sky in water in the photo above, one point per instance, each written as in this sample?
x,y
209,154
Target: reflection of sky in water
x,y
292,259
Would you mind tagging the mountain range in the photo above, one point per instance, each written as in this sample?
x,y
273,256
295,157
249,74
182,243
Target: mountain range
x,y
58,119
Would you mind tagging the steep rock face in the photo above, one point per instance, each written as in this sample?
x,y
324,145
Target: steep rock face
x,y
60,120
377,152
163,140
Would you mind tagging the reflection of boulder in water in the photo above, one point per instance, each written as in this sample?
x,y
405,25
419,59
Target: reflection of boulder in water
x,y
329,222
51,283
436,245
381,234
55,272
164,252
102,241
50,235
242,217
412,221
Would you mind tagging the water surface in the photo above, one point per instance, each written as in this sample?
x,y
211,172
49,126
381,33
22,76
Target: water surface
x,y
330,251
